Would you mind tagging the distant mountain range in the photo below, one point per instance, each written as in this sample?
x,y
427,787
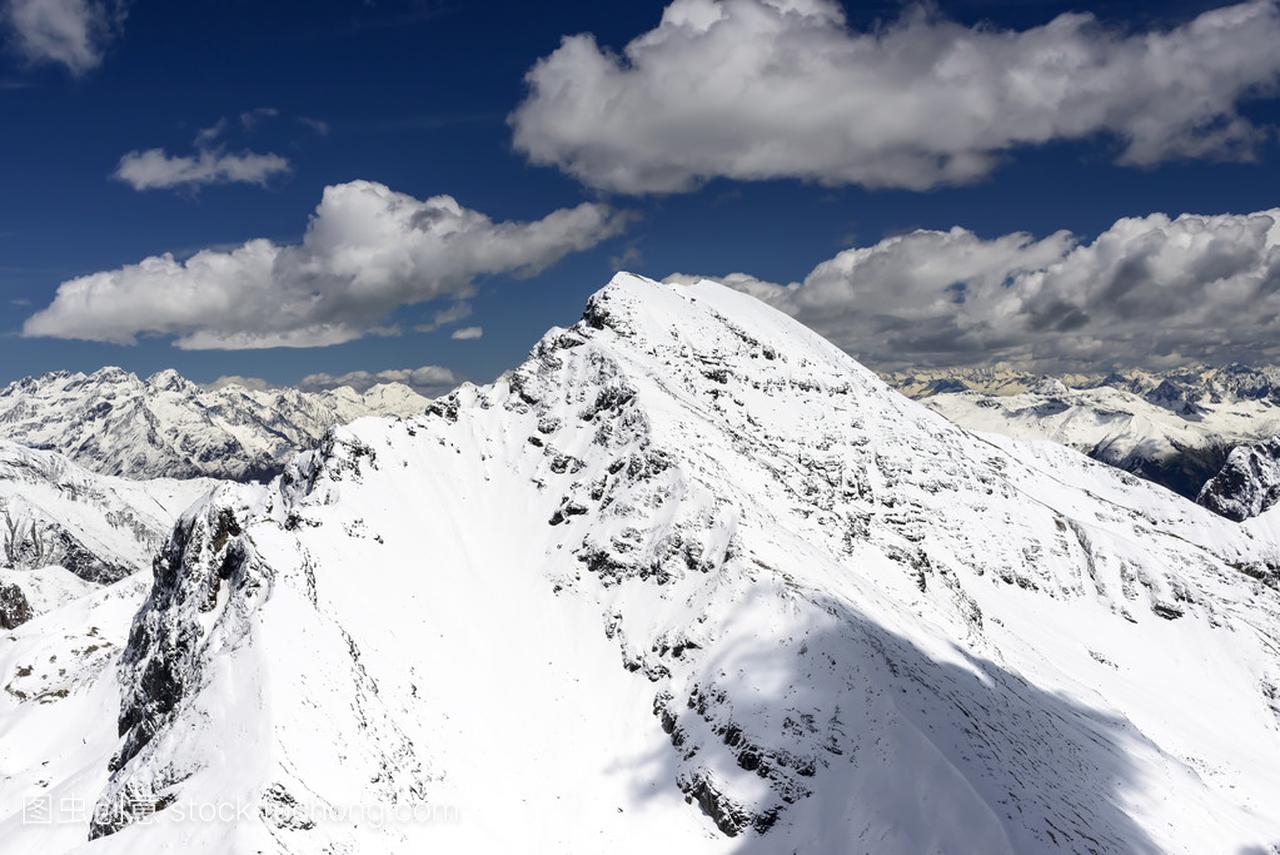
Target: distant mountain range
x,y
115,423
1176,428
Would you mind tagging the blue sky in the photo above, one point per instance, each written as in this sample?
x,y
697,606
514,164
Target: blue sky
x,y
416,95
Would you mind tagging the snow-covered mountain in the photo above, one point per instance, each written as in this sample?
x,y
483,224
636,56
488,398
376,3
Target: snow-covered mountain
x,y
65,530
115,423
1175,429
1197,384
1248,484
690,579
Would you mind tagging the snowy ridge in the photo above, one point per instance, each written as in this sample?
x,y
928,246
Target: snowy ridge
x,y
1248,484
115,423
692,578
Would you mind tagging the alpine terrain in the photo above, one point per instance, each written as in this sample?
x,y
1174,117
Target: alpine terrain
x,y
692,580
115,423
1175,428
65,531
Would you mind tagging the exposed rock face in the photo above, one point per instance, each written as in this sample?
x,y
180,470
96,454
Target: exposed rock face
x,y
168,651
115,423
14,608
690,579
1248,484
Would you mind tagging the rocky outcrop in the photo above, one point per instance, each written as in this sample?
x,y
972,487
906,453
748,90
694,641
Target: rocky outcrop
x,y
205,577
14,608
1248,484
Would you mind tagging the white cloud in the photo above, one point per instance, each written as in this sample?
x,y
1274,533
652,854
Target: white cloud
x,y
154,169
367,250
250,118
429,380
320,126
758,89
256,384
72,33
446,316
206,137
1147,291
467,333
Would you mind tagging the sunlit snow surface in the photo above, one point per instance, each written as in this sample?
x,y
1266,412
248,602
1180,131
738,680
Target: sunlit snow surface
x,y
688,580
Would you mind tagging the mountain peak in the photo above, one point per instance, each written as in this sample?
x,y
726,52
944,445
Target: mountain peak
x,y
168,380
733,580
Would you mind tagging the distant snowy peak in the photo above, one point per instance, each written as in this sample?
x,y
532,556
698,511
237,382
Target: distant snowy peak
x,y
690,579
1249,483
115,423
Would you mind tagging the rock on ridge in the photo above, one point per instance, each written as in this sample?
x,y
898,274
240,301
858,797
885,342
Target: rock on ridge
x,y
1248,484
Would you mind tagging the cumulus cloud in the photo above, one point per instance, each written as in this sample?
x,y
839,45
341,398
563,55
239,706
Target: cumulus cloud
x,y
467,333
71,33
758,89
367,250
1149,290
429,380
155,169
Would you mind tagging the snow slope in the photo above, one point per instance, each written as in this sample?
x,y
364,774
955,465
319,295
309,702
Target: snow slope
x,y
166,426
57,714
692,580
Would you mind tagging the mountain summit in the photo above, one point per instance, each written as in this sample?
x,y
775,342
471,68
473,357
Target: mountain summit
x,y
691,579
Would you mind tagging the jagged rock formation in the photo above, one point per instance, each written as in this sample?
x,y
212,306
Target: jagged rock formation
x,y
1248,484
114,423
690,579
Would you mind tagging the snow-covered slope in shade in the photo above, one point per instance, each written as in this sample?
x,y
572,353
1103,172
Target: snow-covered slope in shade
x,y
115,423
1248,484
54,513
692,580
